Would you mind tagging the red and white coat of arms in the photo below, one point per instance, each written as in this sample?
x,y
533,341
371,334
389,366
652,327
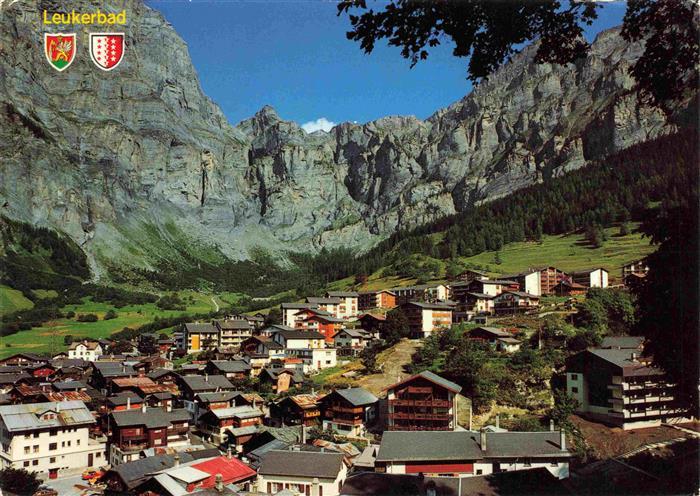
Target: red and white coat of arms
x,y
107,49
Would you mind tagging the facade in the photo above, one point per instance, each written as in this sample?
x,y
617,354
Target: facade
x,y
637,268
319,321
289,311
510,302
499,339
569,288
299,339
50,438
197,337
471,274
423,292
354,340
313,359
132,431
550,277
591,278
423,402
232,425
617,386
232,332
368,300
468,453
302,472
529,281
348,306
348,411
426,318
86,350
330,305
300,409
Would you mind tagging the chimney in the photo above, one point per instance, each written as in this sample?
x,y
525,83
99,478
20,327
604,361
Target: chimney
x,y
58,407
228,452
482,439
551,425
206,377
303,434
315,487
498,421
123,369
633,356
470,417
143,407
176,460
128,403
562,440
219,483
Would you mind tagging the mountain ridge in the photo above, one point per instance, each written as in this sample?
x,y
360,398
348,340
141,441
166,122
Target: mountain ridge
x,y
137,163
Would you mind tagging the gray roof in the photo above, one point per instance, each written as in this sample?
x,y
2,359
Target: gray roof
x,y
121,399
319,300
355,333
465,445
426,374
309,464
243,412
297,306
297,375
230,366
216,397
13,378
68,385
624,342
157,373
522,294
151,418
622,358
432,306
114,369
357,396
496,331
28,417
134,473
342,294
201,327
207,383
299,334
233,324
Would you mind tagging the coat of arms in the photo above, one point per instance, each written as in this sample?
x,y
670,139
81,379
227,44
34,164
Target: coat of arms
x,y
107,49
60,49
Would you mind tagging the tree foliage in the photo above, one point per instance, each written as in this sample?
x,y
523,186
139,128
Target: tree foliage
x,y
19,481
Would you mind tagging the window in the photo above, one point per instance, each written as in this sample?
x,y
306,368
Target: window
x,y
574,390
77,442
36,435
26,450
36,448
53,446
574,377
35,462
26,464
479,471
52,459
53,433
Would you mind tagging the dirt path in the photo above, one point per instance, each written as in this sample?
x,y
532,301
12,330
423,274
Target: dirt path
x,y
391,363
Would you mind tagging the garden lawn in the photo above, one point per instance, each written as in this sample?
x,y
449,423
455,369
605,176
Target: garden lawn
x,y
12,300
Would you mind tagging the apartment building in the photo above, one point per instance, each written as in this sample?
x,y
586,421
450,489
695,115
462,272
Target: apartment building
x,y
368,300
426,318
591,278
348,411
51,438
348,306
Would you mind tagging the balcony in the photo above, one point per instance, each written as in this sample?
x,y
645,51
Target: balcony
x,y
424,403
420,416
175,431
130,447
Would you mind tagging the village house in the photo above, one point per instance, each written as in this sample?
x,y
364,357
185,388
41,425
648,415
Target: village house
x,y
232,369
638,268
199,336
300,409
618,386
311,359
499,339
87,350
290,310
591,278
192,385
319,321
132,431
299,339
348,306
468,453
423,401
529,281
471,274
302,472
281,379
511,302
423,292
232,332
426,318
231,426
103,373
49,438
569,288
383,298
348,411
330,305
142,386
21,359
372,323
352,341
550,277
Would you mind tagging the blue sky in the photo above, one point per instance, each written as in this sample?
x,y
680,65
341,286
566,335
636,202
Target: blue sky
x,y
294,56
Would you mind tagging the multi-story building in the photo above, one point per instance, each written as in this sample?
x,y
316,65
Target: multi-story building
x,y
319,321
330,305
50,438
550,277
290,310
470,274
591,278
132,431
299,339
312,359
302,472
468,453
423,292
225,334
529,281
637,268
199,336
426,318
619,387
348,411
300,409
510,302
232,332
422,402
368,300
87,350
348,306
233,425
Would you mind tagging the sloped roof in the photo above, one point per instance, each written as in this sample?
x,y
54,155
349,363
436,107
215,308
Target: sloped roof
x,y
151,418
206,383
299,334
242,324
319,300
26,417
199,327
430,376
342,294
230,366
243,412
357,396
623,342
308,464
217,397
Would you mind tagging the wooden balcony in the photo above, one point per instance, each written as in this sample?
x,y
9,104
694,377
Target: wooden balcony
x,y
178,430
420,416
422,403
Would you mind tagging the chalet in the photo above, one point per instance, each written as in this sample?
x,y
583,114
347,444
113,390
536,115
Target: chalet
x,y
263,345
123,401
213,401
529,281
49,438
368,300
87,350
475,303
469,453
302,472
511,302
289,311
299,339
9,381
232,332
281,380
319,321
141,385
591,278
163,376
638,268
471,274
492,287
62,386
372,323
166,346
154,362
426,318
618,386
348,306
22,359
103,373
348,411
191,385
135,430
354,340
634,282
330,305
569,288
232,369
499,339
300,409
423,401
232,426
423,292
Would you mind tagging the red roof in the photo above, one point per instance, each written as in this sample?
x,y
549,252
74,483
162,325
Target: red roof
x,y
231,469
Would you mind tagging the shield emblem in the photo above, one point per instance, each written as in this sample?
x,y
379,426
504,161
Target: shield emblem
x,y
107,49
60,49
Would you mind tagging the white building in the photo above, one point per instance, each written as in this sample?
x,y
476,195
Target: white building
x,y
302,472
289,311
314,359
51,438
299,339
348,306
591,278
87,350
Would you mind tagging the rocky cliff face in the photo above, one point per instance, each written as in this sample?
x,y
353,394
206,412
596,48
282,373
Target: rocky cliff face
x,y
133,162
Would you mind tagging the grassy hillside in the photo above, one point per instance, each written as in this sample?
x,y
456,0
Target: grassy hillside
x,y
12,300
